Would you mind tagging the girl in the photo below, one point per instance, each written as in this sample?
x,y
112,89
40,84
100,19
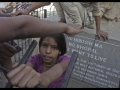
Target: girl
x,y
46,69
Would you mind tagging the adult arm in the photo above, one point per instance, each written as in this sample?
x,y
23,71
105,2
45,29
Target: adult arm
x,y
34,6
100,32
97,14
25,26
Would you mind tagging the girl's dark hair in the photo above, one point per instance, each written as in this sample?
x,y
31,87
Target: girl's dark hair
x,y
61,42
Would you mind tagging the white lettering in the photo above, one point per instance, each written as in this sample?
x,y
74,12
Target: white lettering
x,y
71,44
86,49
83,41
92,72
98,46
116,71
111,74
96,69
98,58
102,75
69,38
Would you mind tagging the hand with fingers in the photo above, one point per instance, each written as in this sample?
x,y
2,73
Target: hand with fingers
x,y
23,76
102,34
6,52
74,29
20,12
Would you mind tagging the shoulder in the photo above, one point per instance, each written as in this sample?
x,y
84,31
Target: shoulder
x,y
35,57
64,58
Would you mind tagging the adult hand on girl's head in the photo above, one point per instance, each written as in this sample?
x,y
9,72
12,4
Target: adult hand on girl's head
x,y
74,29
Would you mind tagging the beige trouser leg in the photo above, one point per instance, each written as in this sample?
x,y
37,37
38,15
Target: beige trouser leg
x,y
81,9
103,10
59,10
73,9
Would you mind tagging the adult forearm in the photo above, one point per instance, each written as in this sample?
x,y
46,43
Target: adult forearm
x,y
97,20
37,5
43,28
25,26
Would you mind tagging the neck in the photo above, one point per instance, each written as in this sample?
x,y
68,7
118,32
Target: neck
x,y
48,65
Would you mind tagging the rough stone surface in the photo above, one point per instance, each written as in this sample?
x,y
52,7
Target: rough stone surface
x,y
98,61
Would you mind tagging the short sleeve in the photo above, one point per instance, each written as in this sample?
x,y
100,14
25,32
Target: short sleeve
x,y
64,58
96,8
34,59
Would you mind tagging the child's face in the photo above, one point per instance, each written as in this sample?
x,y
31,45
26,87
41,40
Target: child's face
x,y
49,50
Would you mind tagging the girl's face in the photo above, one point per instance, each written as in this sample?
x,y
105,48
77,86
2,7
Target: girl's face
x,y
49,50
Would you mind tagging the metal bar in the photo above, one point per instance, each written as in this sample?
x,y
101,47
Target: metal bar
x,y
28,52
45,13
24,60
119,82
69,69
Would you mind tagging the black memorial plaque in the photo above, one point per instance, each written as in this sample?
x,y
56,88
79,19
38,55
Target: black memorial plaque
x,y
97,64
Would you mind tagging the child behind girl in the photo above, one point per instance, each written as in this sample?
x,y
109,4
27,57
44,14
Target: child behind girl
x,y
47,68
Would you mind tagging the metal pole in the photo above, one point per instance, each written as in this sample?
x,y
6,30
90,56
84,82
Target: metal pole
x,y
45,13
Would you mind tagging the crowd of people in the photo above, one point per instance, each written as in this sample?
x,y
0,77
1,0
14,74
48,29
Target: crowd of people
x,y
49,66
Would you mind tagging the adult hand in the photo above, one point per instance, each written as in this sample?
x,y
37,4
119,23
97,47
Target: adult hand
x,y
20,12
6,51
103,34
23,76
74,29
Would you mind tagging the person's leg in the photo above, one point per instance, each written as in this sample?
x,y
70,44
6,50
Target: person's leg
x,y
81,9
60,11
72,11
